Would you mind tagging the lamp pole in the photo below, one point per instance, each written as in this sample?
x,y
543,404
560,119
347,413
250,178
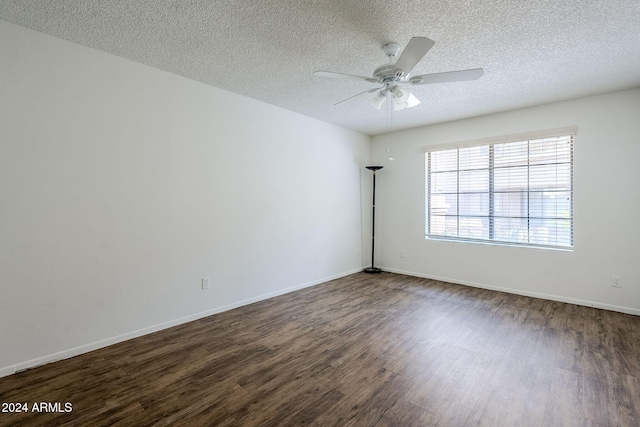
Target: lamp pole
x,y
373,269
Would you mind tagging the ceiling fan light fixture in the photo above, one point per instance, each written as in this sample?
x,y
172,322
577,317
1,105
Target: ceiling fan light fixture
x,y
397,106
412,101
402,99
400,95
378,100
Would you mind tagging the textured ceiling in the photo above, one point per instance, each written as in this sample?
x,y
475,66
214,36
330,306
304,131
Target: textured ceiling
x,y
532,51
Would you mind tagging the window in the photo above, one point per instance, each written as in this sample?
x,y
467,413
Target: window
x,y
513,191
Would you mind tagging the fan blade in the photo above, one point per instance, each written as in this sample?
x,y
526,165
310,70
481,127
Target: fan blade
x,y
449,76
332,75
358,96
412,54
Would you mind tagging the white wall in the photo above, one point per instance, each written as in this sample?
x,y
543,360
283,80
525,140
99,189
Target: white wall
x,y
121,186
606,207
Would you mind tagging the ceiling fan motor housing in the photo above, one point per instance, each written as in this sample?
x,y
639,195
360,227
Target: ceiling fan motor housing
x,y
385,73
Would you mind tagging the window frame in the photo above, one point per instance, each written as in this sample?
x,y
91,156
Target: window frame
x,y
490,143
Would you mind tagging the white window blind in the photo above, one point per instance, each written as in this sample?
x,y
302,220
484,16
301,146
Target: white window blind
x,y
516,192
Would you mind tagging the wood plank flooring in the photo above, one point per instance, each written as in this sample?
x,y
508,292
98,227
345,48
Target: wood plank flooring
x,y
364,350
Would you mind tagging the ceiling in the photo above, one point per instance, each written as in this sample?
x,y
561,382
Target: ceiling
x,y
532,51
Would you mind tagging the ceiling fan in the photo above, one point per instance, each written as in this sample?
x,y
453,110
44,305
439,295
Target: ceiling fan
x,y
394,77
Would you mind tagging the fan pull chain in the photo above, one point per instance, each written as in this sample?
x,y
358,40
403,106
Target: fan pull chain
x,y
389,123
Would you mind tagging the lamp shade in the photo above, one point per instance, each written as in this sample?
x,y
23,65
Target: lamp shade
x,y
378,100
400,95
402,99
412,101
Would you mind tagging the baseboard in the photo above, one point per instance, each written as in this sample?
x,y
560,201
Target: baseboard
x,y
586,303
72,352
9,370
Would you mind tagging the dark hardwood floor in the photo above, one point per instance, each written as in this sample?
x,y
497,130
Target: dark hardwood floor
x,y
378,350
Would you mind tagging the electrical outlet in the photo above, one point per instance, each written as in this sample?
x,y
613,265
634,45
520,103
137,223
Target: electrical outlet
x,y
205,283
616,281
402,254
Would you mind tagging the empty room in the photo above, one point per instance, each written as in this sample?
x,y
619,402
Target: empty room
x,y
326,213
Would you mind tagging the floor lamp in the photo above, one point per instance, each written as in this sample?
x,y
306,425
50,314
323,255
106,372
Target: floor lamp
x,y
373,269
